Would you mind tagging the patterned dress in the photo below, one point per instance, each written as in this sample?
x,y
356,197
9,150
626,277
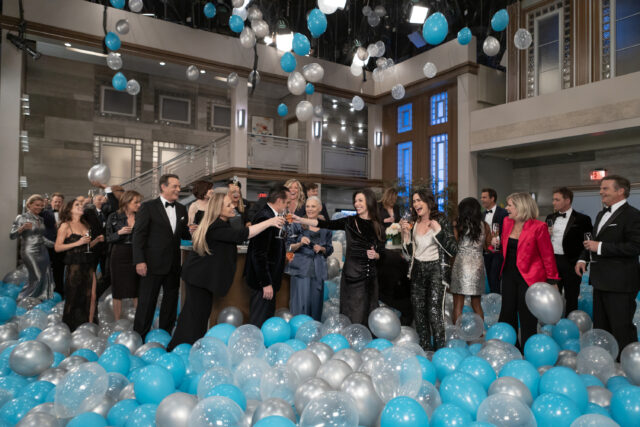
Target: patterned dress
x,y
467,276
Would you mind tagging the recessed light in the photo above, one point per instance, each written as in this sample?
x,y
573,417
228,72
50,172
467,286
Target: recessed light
x,y
67,44
335,106
162,63
202,71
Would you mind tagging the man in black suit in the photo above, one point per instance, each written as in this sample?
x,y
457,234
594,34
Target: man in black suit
x,y
160,225
567,235
493,214
265,260
613,252
51,223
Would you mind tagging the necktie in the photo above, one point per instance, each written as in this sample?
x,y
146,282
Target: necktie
x,y
606,209
167,204
561,215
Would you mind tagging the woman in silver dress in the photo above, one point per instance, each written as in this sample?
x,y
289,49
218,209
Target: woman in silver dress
x,y
33,249
467,276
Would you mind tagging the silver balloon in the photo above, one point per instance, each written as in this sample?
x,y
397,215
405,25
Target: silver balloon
x,y
8,332
99,173
428,396
350,356
318,111
491,46
366,10
359,386
72,363
381,47
232,81
397,92
372,50
130,339
384,323
305,363
327,6
430,70
284,313
254,13
273,406
498,353
30,358
260,28
57,337
505,410
117,382
122,26
252,405
361,53
45,408
373,20
237,3
513,387
313,72
545,302
334,372
630,362
146,347
357,103
193,73
254,77
231,315
52,375
322,350
247,38
101,405
136,5
333,267
28,303
594,360
470,326
308,391
568,359
114,61
304,111
599,395
296,84
174,410
581,319
380,11
407,335
522,39
38,419
358,336
133,87
127,393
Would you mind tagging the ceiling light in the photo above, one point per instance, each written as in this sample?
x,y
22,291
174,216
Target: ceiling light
x,y
360,130
268,40
86,52
284,36
220,78
162,63
202,71
351,141
335,106
352,109
335,101
67,44
419,13
334,139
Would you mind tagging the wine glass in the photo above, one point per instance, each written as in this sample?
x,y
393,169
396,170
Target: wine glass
x,y
88,234
282,233
550,226
589,236
406,215
495,232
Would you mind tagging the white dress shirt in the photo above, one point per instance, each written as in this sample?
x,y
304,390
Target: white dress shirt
x,y
488,217
171,213
606,217
559,226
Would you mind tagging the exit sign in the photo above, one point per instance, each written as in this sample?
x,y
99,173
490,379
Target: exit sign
x,y
597,174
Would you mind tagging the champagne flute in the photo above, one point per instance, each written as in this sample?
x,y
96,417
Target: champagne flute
x,y
589,236
495,232
88,234
282,233
406,215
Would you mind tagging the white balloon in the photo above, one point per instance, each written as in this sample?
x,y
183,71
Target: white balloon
x,y
237,3
193,73
372,50
122,26
361,53
304,111
430,70
397,92
241,12
491,46
247,38
356,70
318,111
296,83
313,72
522,39
373,20
136,5
357,103
381,47
327,6
114,61
260,28
366,11
254,13
133,87
232,80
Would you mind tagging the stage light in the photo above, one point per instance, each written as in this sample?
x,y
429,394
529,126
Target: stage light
x,y
419,13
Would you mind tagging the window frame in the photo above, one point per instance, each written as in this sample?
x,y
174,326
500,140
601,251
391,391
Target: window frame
x,y
536,21
162,97
134,114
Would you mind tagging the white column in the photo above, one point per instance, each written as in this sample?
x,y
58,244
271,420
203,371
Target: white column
x,y
374,124
239,101
314,148
11,69
467,161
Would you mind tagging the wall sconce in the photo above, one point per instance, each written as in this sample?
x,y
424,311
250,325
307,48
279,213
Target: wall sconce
x,y
377,139
240,118
317,129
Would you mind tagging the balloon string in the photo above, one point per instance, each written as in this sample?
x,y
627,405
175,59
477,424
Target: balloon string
x,y
104,28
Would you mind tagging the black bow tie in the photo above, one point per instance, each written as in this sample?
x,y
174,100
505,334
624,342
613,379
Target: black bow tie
x,y
606,209
563,215
488,211
167,204
55,210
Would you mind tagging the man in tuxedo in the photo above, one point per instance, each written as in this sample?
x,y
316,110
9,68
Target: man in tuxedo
x,y
613,253
567,235
493,259
265,260
52,218
160,225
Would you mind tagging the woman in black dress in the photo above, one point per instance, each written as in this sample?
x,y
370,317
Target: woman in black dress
x,y
202,191
365,244
74,238
208,271
388,211
124,279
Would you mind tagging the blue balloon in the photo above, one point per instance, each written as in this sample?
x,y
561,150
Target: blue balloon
x,y
564,381
475,348
136,362
552,409
57,358
288,62
87,419
336,341
90,355
222,331
435,29
300,319
309,89
525,372
565,330
500,20
275,329
153,354
592,408
446,361
316,23
479,369
7,308
119,413
503,332
232,392
174,364
403,411
541,350
448,415
463,391
295,344
12,292
119,81
158,335
142,416
112,41
616,383
153,384
37,390
113,336
13,384
13,410
625,406
301,45
274,421
236,23
428,370
118,4
590,380
572,344
209,10
182,350
464,36
379,344
28,334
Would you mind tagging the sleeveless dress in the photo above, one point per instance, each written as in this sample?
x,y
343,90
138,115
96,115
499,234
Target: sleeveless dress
x,y
467,276
80,268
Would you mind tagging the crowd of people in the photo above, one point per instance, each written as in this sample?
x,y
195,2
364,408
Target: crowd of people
x,y
135,246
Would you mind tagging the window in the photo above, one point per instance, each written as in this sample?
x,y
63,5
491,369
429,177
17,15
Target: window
x,y
405,174
405,118
165,151
174,109
627,35
117,103
439,113
439,170
220,116
547,56
122,155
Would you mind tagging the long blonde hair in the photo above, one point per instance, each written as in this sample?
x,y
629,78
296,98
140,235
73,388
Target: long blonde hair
x,y
301,196
214,207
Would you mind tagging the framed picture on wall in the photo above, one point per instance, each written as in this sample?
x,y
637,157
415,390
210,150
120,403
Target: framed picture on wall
x,y
262,125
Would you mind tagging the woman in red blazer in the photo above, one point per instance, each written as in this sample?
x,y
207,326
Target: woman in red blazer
x,y
528,258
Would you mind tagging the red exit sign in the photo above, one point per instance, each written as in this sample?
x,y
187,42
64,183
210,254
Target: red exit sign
x,y
597,174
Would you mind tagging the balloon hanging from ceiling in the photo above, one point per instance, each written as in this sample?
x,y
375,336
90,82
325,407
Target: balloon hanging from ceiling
x,y
313,72
282,110
397,92
429,70
491,46
316,23
114,61
119,81
357,103
253,13
118,4
192,73
500,20
232,80
236,23
309,89
327,6
136,5
522,39
435,29
356,69
122,26
464,36
260,28
301,45
296,83
247,38
304,111
288,62
209,10
112,41
133,87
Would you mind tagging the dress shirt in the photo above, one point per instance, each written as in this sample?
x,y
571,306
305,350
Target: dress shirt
x,y
559,225
488,216
606,217
171,212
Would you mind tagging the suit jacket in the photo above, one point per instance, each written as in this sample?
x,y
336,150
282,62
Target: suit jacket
x,y
215,272
51,228
153,240
96,225
577,225
111,205
498,216
265,255
617,268
535,260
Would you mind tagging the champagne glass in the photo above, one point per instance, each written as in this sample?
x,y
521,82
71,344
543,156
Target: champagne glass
x,y
282,233
495,232
406,215
589,236
88,234
550,226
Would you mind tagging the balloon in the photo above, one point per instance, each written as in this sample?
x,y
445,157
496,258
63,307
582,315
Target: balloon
x,y
601,338
304,110
112,41
216,410
479,369
7,311
275,329
373,20
305,364
397,92
593,420
599,395
193,73
57,337
616,383
541,350
500,20
384,323
372,50
130,339
446,361
318,111
208,352
565,330
554,409
133,87
296,84
522,39
596,361
316,23
357,103
119,81
288,62
116,359
118,4
174,364
429,70
114,61
503,332
85,384
237,3
505,410
247,38
630,361
449,414
254,13
30,358
275,421
301,45
333,266
209,10
243,348
435,28
513,387
174,410
360,387
38,419
314,73
260,28
312,389
309,332
564,381
213,377
135,5
300,319
280,382
543,300
322,350
278,354
491,47
333,372
464,36
397,373
228,314
309,89
403,411
230,391
236,24
272,407
331,408
357,335
221,331
462,390
122,26
470,326
154,384
624,406
350,356
327,6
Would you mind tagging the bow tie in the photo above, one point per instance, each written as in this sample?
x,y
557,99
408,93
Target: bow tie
x,y
55,210
607,209
167,204
488,211
559,215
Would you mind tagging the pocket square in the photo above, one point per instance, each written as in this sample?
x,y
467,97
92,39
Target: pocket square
x,y
612,225
182,218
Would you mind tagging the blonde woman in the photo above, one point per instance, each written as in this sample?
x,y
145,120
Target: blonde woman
x,y
208,271
296,195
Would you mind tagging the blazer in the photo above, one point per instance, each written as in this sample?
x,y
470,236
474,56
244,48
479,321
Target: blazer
x,y
305,257
51,228
617,268
499,215
265,255
577,225
153,240
535,260
115,222
215,272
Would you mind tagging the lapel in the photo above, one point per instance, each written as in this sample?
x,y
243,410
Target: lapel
x,y
163,214
570,221
611,218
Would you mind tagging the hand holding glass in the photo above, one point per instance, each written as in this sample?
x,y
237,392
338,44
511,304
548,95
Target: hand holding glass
x,y
495,232
588,236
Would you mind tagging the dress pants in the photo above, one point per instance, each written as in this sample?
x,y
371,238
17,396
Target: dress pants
x,y
57,267
148,297
613,312
569,282
514,308
261,309
427,296
194,317
493,264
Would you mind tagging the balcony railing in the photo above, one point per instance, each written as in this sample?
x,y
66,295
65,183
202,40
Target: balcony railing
x,y
277,152
342,161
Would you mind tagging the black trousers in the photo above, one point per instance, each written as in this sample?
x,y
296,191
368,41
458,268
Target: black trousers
x,y
493,264
613,312
148,297
57,267
427,296
514,307
194,316
569,282
261,309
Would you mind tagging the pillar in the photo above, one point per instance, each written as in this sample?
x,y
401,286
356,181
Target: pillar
x,y
374,124
239,101
467,160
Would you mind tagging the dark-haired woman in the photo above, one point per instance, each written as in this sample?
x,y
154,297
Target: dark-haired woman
x,y
202,191
431,245
467,275
388,210
365,244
